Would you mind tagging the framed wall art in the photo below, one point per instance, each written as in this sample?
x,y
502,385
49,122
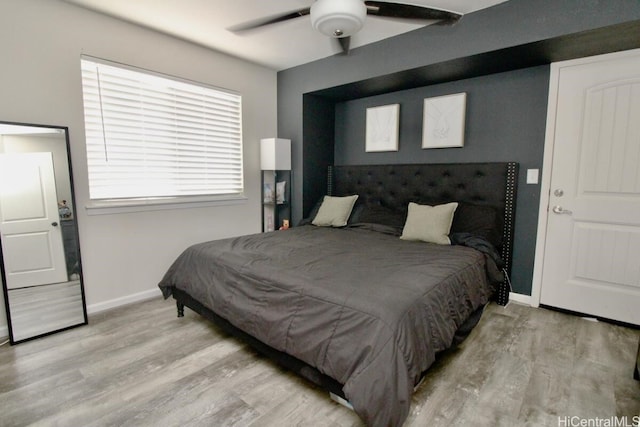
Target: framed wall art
x,y
443,121
382,128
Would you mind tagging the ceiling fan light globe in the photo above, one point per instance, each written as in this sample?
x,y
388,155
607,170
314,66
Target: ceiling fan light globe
x,y
338,18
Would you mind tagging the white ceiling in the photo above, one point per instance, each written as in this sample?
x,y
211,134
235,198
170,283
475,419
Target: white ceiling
x,y
278,46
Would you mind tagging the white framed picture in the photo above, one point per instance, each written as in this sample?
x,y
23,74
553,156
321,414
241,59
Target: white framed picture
x,y
382,128
443,121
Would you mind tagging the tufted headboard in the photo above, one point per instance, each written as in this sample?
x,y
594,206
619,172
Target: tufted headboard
x,y
394,186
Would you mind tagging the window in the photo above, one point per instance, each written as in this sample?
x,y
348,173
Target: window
x,y
151,136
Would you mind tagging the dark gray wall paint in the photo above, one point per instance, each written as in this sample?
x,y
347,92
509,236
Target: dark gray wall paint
x,y
505,121
316,157
513,23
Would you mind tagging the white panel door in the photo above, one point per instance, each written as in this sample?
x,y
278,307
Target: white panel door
x,y
29,222
592,251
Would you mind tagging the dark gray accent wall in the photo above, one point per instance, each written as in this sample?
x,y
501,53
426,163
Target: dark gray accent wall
x,y
316,157
505,121
499,37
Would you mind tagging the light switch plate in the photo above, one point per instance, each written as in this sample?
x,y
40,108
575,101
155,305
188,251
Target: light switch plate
x,y
532,176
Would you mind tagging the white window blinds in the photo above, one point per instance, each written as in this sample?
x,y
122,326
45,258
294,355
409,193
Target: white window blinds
x,y
151,136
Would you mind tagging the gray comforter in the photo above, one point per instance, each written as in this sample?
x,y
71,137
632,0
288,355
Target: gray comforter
x,y
363,307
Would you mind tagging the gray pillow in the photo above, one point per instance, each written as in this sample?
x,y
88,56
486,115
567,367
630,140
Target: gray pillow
x,y
429,223
334,211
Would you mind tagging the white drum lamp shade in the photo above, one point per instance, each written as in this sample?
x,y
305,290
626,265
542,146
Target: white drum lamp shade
x,y
275,154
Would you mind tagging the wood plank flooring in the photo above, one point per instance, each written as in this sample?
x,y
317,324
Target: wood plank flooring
x,y
142,366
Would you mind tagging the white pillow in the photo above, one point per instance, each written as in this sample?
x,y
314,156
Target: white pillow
x,y
334,211
429,223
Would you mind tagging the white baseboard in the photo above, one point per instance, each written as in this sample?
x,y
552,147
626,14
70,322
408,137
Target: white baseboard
x,y
117,302
520,298
4,333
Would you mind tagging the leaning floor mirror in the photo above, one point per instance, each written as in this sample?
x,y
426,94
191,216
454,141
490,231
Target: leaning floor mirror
x,y
41,270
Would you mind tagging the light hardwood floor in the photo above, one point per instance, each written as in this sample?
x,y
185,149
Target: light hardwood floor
x,y
141,366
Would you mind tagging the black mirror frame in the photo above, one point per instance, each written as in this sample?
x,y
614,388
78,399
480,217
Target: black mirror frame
x,y
12,341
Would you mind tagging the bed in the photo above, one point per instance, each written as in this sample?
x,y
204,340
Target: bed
x,y
360,309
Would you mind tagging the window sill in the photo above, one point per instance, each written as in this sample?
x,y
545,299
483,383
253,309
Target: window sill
x,y
110,207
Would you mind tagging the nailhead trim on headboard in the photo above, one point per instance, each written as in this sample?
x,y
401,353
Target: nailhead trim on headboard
x,y
509,225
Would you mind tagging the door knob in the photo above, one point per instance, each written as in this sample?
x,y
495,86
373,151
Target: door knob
x,y
560,210
55,224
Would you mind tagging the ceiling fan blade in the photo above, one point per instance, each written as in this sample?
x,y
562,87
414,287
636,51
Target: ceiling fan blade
x,y
270,20
407,11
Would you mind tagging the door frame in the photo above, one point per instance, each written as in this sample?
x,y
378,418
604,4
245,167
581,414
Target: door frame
x,y
547,161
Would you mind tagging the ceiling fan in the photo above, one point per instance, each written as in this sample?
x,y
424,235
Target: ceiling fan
x,y
340,19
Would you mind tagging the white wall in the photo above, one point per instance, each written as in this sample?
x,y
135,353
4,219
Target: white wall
x,y
124,255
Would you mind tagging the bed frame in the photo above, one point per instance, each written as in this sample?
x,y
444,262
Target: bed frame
x,y
492,184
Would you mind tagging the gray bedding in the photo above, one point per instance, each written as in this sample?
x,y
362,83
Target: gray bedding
x,y
362,306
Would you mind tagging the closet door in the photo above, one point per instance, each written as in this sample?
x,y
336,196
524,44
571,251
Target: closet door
x,y
593,227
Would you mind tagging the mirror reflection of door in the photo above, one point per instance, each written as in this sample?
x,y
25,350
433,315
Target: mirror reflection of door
x,y
42,279
29,225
